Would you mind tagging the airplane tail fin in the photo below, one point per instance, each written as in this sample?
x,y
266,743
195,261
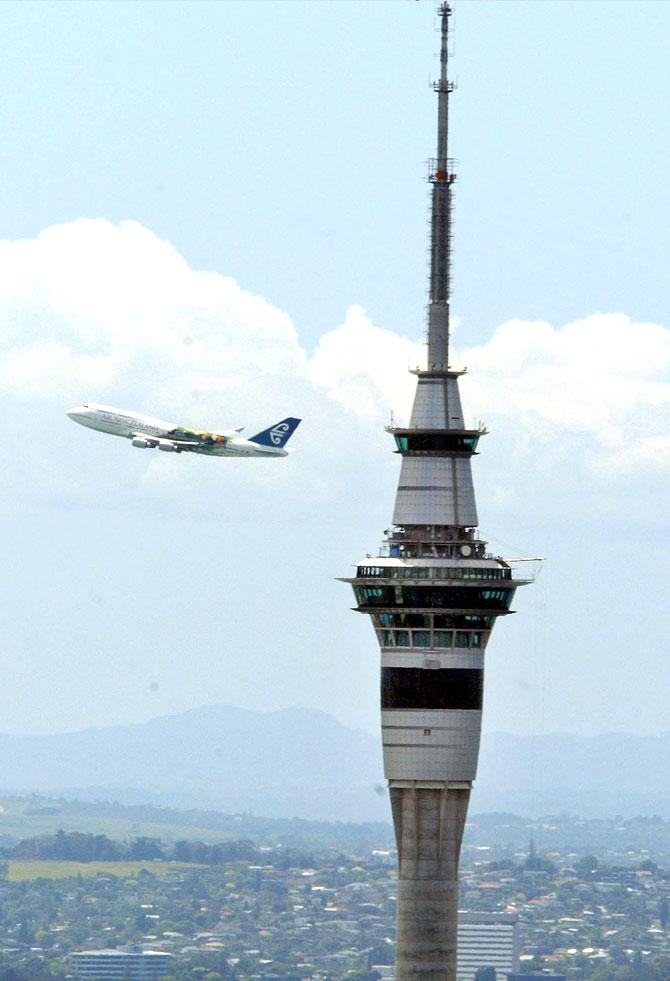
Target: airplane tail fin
x,y
277,435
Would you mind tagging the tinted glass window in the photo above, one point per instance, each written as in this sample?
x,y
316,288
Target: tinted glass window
x,y
435,597
455,597
416,688
405,619
471,620
462,621
437,443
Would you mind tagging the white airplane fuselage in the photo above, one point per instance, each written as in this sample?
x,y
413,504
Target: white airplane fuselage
x,y
147,432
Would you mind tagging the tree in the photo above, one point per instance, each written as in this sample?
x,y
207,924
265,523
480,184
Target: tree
x,y
586,866
142,849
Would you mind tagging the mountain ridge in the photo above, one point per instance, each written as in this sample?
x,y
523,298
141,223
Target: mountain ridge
x,y
304,762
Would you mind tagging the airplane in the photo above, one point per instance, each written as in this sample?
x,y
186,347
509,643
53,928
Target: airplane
x,y
149,433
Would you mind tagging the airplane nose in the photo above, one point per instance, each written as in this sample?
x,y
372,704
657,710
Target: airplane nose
x,y
74,413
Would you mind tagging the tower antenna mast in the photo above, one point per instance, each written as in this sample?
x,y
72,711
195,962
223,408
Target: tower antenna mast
x,y
442,177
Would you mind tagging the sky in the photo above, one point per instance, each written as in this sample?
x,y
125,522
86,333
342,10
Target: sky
x,y
216,213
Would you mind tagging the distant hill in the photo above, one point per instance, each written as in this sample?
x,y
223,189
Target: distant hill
x,y
294,762
594,776
304,763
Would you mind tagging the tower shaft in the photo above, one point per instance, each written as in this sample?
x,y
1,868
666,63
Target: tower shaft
x,y
429,827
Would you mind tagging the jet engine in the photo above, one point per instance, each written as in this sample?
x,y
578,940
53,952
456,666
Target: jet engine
x,y
143,443
167,446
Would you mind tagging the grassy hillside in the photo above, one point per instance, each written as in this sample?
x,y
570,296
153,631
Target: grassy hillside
x,y
28,817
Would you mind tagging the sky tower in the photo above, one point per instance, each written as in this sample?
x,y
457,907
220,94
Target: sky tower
x,y
433,594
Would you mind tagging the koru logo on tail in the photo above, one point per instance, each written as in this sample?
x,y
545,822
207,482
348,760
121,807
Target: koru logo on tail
x,y
278,432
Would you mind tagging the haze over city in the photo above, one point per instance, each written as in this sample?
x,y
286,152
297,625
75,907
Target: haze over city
x,y
215,213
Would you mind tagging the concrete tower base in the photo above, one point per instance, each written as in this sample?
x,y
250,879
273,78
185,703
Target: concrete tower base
x,y
429,824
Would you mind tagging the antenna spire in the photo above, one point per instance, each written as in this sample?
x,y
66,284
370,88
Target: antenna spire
x,y
441,177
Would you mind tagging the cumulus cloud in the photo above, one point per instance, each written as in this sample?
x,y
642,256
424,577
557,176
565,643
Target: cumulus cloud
x,y
598,388
364,367
110,313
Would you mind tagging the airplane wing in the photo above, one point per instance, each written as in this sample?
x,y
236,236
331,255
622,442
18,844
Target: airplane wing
x,y
169,444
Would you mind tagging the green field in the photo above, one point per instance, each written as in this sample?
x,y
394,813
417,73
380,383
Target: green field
x,y
22,870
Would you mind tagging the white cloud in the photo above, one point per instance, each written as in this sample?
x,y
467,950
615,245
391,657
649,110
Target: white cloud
x,y
604,380
366,368
94,311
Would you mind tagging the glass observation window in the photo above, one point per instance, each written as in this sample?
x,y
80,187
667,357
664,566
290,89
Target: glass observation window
x,y
472,620
370,571
453,597
421,638
427,638
375,595
445,442
405,619
434,597
471,572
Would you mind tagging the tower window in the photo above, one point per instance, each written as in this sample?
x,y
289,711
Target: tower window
x,y
444,442
421,638
404,619
442,688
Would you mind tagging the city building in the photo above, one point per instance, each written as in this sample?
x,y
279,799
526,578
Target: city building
x,y
121,964
433,594
487,940
536,977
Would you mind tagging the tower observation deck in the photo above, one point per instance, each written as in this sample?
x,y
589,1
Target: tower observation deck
x,y
433,594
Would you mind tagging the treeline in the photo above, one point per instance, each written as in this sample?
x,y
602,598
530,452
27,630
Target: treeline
x,y
75,846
